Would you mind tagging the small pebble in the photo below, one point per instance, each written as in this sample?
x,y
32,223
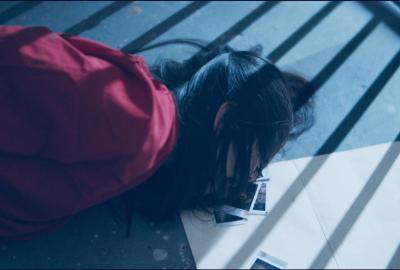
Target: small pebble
x,y
165,237
135,11
158,232
159,254
96,235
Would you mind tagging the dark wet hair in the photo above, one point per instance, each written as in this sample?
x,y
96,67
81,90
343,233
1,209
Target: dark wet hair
x,y
265,109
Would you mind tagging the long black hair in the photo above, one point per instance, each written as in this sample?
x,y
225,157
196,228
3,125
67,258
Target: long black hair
x,y
264,110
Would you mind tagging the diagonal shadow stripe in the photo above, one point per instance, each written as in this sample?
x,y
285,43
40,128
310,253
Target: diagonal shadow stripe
x,y
237,28
17,9
163,27
244,23
387,12
96,18
300,33
319,80
314,165
330,68
358,206
395,261
362,105
344,54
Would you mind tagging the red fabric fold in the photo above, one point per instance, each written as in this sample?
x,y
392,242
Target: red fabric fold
x,y
80,123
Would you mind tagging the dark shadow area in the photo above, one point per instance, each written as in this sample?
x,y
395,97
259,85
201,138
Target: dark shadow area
x,y
344,54
96,18
244,23
18,9
301,32
276,213
25,36
358,206
319,80
395,261
386,12
238,27
314,165
164,26
362,105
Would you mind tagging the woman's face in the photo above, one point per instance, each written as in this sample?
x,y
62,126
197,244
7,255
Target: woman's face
x,y
255,166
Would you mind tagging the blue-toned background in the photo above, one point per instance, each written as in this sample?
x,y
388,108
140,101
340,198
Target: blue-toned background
x,y
350,50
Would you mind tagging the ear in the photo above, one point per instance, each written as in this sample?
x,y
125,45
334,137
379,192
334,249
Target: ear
x,y
221,111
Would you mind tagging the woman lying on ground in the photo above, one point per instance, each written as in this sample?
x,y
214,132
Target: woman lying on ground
x,y
83,123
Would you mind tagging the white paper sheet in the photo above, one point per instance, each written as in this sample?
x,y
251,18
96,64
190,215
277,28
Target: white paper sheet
x,y
356,195
306,208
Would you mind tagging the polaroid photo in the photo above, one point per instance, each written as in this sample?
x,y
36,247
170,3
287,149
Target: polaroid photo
x,y
246,201
229,216
266,261
262,179
259,205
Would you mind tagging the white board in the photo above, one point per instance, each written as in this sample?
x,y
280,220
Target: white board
x,y
309,223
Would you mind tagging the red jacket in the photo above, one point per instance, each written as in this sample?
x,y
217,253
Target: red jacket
x,y
80,123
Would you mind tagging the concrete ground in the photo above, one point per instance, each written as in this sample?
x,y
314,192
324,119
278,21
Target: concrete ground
x,y
350,50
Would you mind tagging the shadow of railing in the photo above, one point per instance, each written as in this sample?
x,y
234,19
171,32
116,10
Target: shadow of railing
x,y
17,10
164,26
95,19
362,105
358,206
241,25
395,261
319,80
221,39
315,164
300,33
386,11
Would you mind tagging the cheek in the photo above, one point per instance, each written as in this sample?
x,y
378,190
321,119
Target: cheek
x,y
254,164
230,165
